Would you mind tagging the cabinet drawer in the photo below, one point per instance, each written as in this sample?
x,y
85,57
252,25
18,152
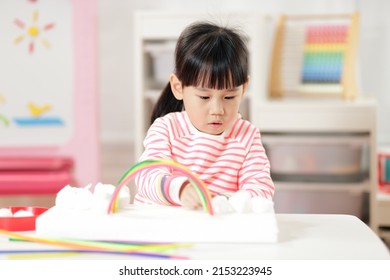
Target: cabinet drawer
x,y
318,157
312,201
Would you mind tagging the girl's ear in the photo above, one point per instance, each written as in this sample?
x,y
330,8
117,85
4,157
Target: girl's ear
x,y
176,87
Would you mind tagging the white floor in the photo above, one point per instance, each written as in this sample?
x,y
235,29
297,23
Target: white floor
x,y
116,158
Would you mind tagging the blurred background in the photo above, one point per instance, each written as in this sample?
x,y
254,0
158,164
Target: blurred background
x,y
116,47
96,67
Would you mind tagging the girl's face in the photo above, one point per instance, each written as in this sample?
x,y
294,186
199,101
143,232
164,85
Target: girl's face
x,y
210,110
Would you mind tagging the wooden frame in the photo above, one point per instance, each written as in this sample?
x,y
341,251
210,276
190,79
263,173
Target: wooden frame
x,y
315,55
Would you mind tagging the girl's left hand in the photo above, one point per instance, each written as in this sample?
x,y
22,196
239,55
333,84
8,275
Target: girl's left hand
x,y
189,197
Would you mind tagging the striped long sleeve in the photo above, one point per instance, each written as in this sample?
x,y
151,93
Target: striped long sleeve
x,y
235,160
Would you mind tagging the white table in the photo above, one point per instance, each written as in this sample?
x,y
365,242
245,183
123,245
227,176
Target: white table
x,y
306,236
301,236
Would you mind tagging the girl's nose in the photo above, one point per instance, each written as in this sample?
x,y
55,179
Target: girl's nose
x,y
217,108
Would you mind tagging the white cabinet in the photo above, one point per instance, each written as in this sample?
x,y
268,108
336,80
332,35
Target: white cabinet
x,y
336,117
344,128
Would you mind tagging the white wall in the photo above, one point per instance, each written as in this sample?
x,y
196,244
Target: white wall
x,y
375,60
115,39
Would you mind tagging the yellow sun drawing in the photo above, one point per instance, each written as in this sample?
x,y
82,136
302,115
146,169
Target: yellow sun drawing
x,y
33,31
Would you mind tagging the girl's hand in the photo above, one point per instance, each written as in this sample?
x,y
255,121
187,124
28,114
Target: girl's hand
x,y
189,197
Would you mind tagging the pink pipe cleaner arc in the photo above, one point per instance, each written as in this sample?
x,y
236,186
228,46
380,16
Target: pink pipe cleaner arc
x,y
195,181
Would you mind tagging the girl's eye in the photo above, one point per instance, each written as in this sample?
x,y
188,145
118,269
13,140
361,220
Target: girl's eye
x,y
204,97
229,97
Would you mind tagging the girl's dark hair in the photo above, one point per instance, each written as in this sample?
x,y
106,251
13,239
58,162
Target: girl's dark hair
x,y
209,56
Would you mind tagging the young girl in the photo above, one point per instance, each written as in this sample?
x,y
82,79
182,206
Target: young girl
x,y
196,123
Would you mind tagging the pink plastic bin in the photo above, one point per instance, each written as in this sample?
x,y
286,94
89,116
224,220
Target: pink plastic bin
x,y
38,175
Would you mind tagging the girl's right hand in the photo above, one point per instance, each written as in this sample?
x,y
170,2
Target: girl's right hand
x,y
189,197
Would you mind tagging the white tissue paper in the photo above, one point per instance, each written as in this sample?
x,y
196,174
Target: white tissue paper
x,y
261,204
221,205
5,212
242,202
102,196
23,213
74,198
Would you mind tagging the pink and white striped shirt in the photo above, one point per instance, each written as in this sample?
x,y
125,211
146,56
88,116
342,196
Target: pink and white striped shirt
x,y
232,161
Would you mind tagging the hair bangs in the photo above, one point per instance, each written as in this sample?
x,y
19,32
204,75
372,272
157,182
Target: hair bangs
x,y
213,72
215,62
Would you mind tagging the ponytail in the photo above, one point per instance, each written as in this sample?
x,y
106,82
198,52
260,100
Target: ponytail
x,y
166,103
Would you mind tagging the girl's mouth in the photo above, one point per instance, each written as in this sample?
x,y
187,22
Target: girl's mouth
x,y
215,124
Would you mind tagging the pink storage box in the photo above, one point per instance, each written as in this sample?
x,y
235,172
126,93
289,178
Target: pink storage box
x,y
38,175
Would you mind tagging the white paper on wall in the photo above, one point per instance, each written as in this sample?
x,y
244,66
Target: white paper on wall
x,y
36,72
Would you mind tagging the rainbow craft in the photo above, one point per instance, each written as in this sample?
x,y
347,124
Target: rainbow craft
x,y
141,222
195,181
324,50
